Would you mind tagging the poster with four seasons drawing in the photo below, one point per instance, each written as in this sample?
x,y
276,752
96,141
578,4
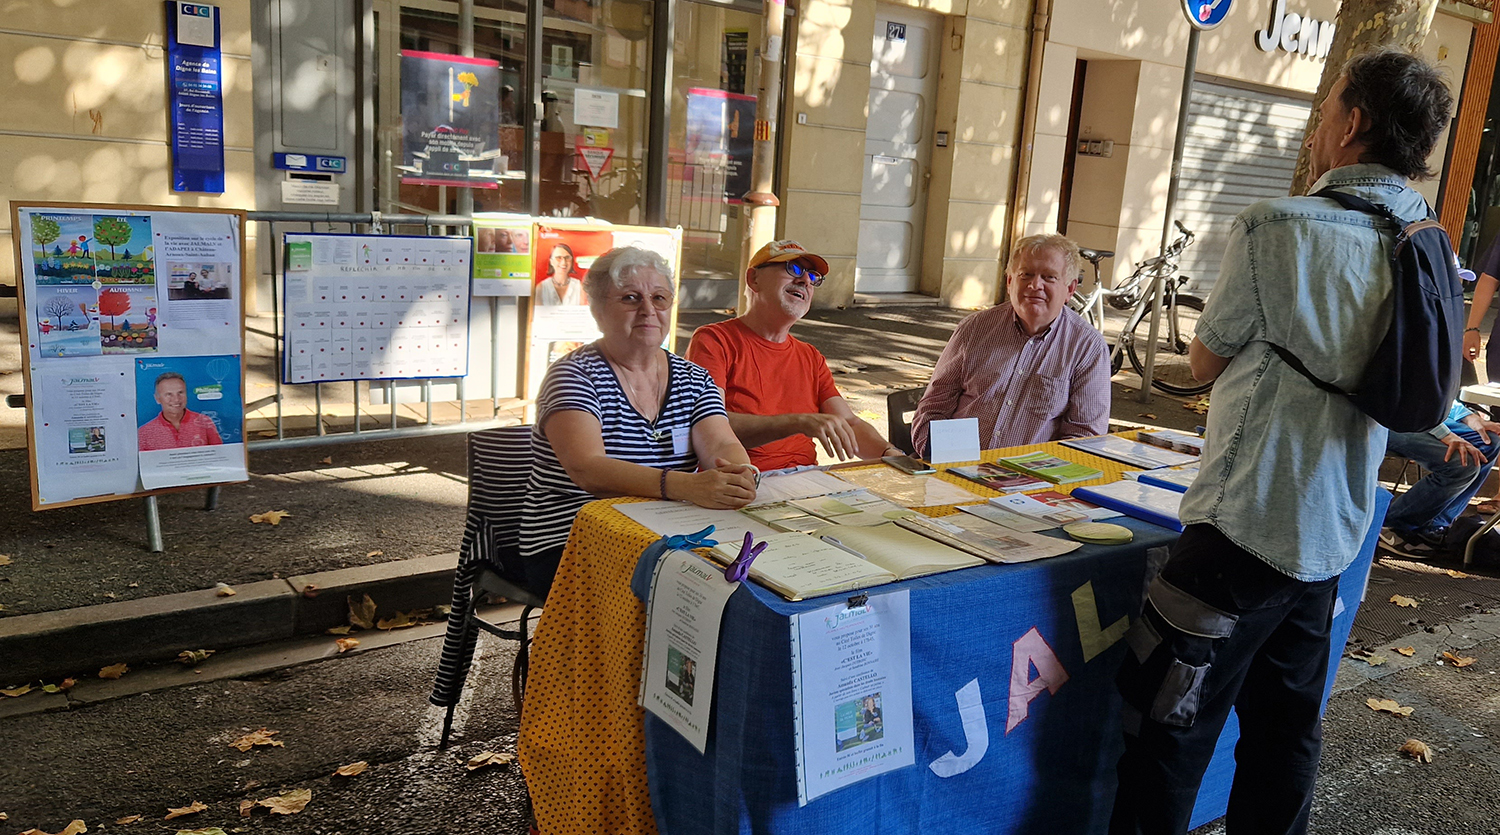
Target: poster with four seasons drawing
x,y
132,329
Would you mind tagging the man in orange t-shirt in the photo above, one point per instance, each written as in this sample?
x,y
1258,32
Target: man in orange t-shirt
x,y
777,388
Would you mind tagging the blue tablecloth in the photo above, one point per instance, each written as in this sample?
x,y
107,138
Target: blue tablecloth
x,y
1052,772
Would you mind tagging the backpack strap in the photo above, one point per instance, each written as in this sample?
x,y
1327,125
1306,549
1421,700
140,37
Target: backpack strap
x,y
1297,365
1359,204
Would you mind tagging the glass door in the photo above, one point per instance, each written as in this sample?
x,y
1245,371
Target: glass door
x,y
716,74
596,57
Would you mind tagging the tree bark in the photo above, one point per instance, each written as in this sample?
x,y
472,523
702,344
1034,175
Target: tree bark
x,y
1363,26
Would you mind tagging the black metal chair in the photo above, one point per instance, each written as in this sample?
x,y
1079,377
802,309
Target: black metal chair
x,y
499,467
898,405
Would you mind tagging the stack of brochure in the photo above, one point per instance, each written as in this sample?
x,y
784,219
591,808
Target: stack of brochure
x,y
999,478
1049,467
1172,439
1126,451
987,540
1038,511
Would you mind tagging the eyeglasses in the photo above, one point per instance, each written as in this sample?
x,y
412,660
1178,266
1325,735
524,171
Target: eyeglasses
x,y
796,270
660,301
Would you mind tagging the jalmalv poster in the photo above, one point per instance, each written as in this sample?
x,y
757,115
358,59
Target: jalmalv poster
x,y
450,120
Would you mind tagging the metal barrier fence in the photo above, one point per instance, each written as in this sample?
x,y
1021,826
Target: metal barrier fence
x,y
275,225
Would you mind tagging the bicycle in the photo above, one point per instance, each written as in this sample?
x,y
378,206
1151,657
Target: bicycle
x,y
1172,373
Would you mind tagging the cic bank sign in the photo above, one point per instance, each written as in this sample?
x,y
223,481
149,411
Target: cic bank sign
x,y
1291,32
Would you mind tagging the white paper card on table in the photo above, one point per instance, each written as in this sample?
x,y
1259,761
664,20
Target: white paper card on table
x,y
683,614
780,487
851,682
1008,518
671,518
953,441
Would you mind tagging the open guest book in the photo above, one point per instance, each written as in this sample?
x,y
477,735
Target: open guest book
x,y
798,566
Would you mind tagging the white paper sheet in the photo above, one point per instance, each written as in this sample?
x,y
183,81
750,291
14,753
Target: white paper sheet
x,y
851,677
683,615
85,429
954,441
671,518
780,487
909,490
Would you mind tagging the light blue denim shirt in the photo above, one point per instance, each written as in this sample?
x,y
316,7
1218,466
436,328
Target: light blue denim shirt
x,y
1289,470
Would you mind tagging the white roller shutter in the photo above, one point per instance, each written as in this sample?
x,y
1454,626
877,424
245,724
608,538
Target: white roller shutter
x,y
1241,148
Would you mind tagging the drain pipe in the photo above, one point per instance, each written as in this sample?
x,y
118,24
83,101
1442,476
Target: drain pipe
x,y
1041,18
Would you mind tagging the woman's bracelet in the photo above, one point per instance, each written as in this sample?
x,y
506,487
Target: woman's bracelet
x,y
756,470
1476,330
664,472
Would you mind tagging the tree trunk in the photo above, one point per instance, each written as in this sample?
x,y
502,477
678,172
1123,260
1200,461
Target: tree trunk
x,y
1362,26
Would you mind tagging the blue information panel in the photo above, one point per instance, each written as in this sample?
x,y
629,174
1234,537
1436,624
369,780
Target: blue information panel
x,y
1205,14
196,95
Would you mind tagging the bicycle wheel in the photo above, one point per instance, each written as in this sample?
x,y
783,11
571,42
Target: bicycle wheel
x,y
1172,373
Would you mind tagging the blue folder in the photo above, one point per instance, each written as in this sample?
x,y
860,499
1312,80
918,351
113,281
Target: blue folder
x,y
1147,502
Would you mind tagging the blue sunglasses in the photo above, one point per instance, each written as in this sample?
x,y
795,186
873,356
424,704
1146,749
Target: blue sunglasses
x,y
797,271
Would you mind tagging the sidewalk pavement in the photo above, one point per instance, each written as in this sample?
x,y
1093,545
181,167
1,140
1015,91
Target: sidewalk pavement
x,y
382,518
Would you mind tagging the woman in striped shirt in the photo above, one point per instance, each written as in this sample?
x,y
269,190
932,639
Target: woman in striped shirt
x,y
623,417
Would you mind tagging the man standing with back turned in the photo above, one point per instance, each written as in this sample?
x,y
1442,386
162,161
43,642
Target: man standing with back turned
x,y
1240,615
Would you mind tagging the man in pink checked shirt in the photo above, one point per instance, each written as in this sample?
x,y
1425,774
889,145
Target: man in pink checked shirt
x,y
176,426
1030,370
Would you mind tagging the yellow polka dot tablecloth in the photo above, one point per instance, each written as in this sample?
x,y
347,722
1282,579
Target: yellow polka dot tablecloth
x,y
582,739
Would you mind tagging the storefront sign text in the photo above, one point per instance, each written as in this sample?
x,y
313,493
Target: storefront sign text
x,y
1291,32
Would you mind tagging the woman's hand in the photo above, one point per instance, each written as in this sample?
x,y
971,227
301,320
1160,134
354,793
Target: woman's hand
x,y
1471,344
727,486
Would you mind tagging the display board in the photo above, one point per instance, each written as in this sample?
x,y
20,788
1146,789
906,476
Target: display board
x,y
562,252
375,307
132,324
502,254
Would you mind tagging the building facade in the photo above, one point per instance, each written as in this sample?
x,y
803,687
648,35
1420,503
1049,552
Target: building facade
x,y
903,130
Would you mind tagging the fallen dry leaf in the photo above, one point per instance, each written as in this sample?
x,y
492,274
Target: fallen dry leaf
x,y
352,769
223,590
1406,651
114,671
193,657
127,820
310,591
400,620
346,644
1147,416
488,758
328,460
1457,575
5,559
1372,660
4,816
339,630
1403,600
246,806
1459,660
362,614
267,433
1390,706
273,517
1417,750
375,554
289,803
1200,406
75,828
16,692
212,830
60,687
193,809
254,738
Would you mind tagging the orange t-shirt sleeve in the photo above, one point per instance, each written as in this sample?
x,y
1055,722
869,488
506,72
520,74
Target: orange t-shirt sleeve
x,y
824,377
707,349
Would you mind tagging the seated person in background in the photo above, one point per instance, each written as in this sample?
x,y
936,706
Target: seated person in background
x,y
777,388
1458,455
1030,369
623,417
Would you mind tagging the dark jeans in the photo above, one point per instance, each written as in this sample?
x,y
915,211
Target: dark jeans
x,y
540,568
1222,628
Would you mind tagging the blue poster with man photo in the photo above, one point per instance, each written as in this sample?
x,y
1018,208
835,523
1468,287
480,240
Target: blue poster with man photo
x,y
190,419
